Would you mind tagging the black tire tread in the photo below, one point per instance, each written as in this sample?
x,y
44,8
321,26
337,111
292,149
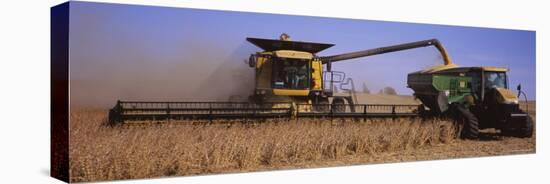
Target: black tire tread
x,y
527,129
471,123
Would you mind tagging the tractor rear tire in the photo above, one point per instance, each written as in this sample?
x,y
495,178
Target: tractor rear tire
x,y
338,105
470,130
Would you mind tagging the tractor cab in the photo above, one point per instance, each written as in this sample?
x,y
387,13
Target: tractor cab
x,y
495,79
490,85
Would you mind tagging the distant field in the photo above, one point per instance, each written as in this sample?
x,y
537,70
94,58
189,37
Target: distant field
x,y
530,106
102,152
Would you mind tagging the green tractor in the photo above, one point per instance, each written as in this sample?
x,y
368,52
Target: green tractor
x,y
478,97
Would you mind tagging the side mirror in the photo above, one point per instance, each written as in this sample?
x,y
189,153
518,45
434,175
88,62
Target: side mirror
x,y
519,90
252,61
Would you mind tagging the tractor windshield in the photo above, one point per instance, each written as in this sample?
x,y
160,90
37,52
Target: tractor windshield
x,y
290,73
495,80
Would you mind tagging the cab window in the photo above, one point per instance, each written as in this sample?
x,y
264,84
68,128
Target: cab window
x,y
290,73
495,80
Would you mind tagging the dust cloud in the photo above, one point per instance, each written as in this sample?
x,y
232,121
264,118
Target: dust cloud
x,y
206,73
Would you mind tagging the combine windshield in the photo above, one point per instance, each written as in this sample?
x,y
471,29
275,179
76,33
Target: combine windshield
x,y
495,80
290,73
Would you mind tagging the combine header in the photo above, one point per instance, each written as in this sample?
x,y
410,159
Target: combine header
x,y
136,111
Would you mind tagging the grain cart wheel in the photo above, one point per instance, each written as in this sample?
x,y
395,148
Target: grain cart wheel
x,y
338,105
470,130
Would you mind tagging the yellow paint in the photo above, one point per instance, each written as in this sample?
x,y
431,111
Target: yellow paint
x,y
281,105
507,96
260,60
291,92
317,74
450,66
439,68
494,69
446,58
263,72
293,54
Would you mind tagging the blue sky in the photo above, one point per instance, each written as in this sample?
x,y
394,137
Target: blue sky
x,y
127,47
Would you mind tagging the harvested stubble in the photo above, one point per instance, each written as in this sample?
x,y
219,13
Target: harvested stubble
x,y
102,152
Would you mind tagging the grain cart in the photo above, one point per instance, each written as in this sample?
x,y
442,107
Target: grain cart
x,y
478,96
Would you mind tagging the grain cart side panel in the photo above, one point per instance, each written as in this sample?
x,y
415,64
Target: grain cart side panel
x,y
438,91
454,87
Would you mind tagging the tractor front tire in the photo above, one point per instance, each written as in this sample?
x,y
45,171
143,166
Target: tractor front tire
x,y
525,130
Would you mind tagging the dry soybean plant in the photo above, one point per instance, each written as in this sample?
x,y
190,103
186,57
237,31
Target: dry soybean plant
x,y
102,152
